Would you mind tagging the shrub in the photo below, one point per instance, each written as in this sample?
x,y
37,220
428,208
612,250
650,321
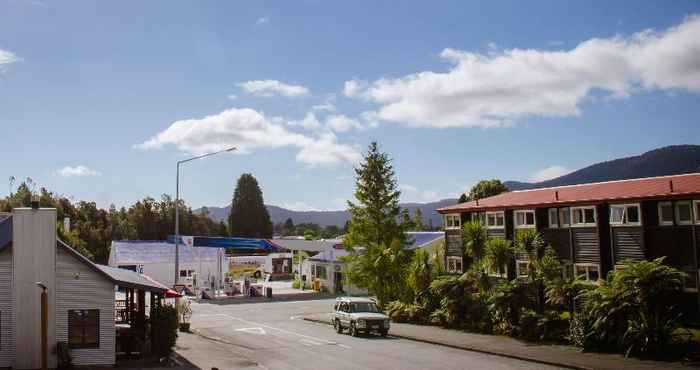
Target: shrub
x,y
165,320
507,302
407,312
499,252
296,284
461,305
551,326
474,237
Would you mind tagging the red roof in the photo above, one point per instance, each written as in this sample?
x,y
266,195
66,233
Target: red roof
x,y
622,190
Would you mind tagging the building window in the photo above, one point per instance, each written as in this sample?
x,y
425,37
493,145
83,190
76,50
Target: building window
x,y
553,218
625,214
684,213
696,209
84,328
494,220
665,213
589,272
479,216
522,267
454,265
583,216
321,272
452,221
524,219
186,273
564,217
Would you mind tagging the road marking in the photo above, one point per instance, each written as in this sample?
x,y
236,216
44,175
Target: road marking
x,y
309,342
256,331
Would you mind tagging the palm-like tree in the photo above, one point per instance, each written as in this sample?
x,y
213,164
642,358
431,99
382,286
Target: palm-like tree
x,y
474,238
498,254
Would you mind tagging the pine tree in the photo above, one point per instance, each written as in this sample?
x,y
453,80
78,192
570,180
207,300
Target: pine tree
x,y
418,220
249,217
380,265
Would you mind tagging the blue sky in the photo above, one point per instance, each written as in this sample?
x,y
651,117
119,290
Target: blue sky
x,y
99,100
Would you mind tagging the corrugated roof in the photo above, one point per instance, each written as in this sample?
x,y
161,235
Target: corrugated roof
x,y
307,245
621,190
132,252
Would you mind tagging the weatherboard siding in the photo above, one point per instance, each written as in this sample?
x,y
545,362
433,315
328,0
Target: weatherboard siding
x,y
560,240
586,246
453,243
7,331
628,243
496,233
81,288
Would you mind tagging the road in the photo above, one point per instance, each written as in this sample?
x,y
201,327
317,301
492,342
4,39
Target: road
x,y
272,336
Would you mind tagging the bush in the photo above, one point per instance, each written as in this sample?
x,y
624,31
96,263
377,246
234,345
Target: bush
x,y
407,312
296,284
461,305
508,301
164,318
551,326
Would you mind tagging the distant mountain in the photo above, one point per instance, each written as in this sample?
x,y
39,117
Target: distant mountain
x,y
669,160
324,218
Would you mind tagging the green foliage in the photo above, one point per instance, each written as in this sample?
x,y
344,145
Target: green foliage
x,y
629,310
549,327
381,264
421,273
561,292
461,305
249,217
499,252
508,301
474,237
486,188
530,242
418,224
165,320
407,312
463,198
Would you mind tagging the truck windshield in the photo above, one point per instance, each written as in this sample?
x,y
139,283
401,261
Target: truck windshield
x,y
363,307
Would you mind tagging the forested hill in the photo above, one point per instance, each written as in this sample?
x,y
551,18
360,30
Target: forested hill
x,y
669,160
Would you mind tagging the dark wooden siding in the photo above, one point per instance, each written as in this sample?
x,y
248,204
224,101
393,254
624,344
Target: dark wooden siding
x,y
496,233
453,243
586,247
559,240
675,242
628,243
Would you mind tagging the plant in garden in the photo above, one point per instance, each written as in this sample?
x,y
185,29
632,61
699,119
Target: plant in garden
x,y
509,298
474,238
164,318
531,242
498,254
421,273
562,292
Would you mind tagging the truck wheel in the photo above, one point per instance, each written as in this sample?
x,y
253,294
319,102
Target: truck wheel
x,y
337,326
353,330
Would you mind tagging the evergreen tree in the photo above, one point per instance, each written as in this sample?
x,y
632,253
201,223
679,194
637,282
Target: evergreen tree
x,y
463,198
249,217
288,226
418,220
380,265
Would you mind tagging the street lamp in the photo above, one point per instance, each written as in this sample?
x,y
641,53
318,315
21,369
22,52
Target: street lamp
x,y
177,206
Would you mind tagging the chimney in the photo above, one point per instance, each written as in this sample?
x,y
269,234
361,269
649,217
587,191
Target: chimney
x,y
556,194
670,185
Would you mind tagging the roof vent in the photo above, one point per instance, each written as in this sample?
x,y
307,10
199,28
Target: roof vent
x,y
556,194
670,185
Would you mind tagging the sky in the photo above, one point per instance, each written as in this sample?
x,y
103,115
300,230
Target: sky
x,y
98,100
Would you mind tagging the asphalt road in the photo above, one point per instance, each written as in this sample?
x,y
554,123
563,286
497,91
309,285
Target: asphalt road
x,y
272,336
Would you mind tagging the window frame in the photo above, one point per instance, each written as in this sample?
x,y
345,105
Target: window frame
x,y
454,217
452,264
496,214
583,209
673,214
696,214
565,211
588,267
554,225
677,214
479,216
524,212
624,221
522,272
71,327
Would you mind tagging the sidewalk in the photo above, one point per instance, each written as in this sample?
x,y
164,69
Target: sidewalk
x,y
557,355
207,354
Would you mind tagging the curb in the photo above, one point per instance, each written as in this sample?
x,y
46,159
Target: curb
x,y
472,349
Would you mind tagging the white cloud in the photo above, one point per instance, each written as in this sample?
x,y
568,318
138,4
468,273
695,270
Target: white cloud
x,y
498,88
7,58
309,122
248,130
549,173
343,123
262,20
232,96
269,88
77,171
299,207
410,193
325,107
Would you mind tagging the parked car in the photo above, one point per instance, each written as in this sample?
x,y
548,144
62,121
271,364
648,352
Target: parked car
x,y
359,315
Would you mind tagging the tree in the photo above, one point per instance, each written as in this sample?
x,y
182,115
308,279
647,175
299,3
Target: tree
x,y
486,188
288,226
463,198
418,220
249,217
498,254
474,238
406,221
380,264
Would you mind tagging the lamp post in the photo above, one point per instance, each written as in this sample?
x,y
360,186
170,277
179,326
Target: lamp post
x,y
177,206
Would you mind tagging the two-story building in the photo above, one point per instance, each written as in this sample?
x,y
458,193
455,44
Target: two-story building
x,y
593,227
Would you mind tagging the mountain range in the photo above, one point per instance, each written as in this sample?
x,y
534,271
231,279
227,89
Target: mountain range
x,y
669,160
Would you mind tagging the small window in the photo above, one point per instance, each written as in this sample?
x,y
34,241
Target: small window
x,y
494,220
684,213
454,265
696,209
583,216
553,218
524,219
665,213
479,216
624,214
84,328
452,221
564,217
183,273
521,267
590,272
321,272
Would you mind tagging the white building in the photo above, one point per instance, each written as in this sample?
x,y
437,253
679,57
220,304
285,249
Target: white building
x,y
157,260
81,295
